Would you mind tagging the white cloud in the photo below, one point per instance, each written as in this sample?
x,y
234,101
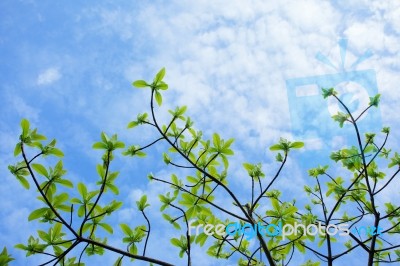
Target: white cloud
x,y
49,76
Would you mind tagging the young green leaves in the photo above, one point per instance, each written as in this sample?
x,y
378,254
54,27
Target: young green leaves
x,y
254,170
374,101
141,119
166,200
109,183
132,237
20,171
108,144
341,117
285,145
157,85
222,148
142,203
33,139
178,112
395,160
320,170
5,258
140,84
181,243
134,150
328,92
34,246
86,198
28,136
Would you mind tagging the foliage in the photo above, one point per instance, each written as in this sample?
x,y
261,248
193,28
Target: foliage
x,y
82,220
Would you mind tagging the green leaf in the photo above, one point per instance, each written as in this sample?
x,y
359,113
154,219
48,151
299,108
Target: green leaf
x,y
158,98
225,161
100,171
160,75
216,140
190,212
142,203
25,127
23,181
36,136
397,251
140,84
275,204
82,189
104,137
248,166
100,145
65,182
201,239
143,200
17,149
279,157
311,263
167,217
113,188
36,214
297,145
348,244
162,86
276,147
133,249
60,198
176,242
321,242
76,201
56,231
119,145
166,158
106,227
20,246
174,179
133,124
56,152
40,169
126,229
44,236
81,211
118,262
176,225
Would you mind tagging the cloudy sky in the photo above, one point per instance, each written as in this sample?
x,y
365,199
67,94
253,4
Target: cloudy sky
x,y
68,68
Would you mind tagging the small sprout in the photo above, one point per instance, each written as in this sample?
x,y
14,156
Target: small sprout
x,y
374,101
328,92
166,158
386,130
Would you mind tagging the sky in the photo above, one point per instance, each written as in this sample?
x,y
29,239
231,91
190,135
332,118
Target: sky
x,y
68,68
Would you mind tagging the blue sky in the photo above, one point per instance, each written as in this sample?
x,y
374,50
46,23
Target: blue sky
x,y
68,68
